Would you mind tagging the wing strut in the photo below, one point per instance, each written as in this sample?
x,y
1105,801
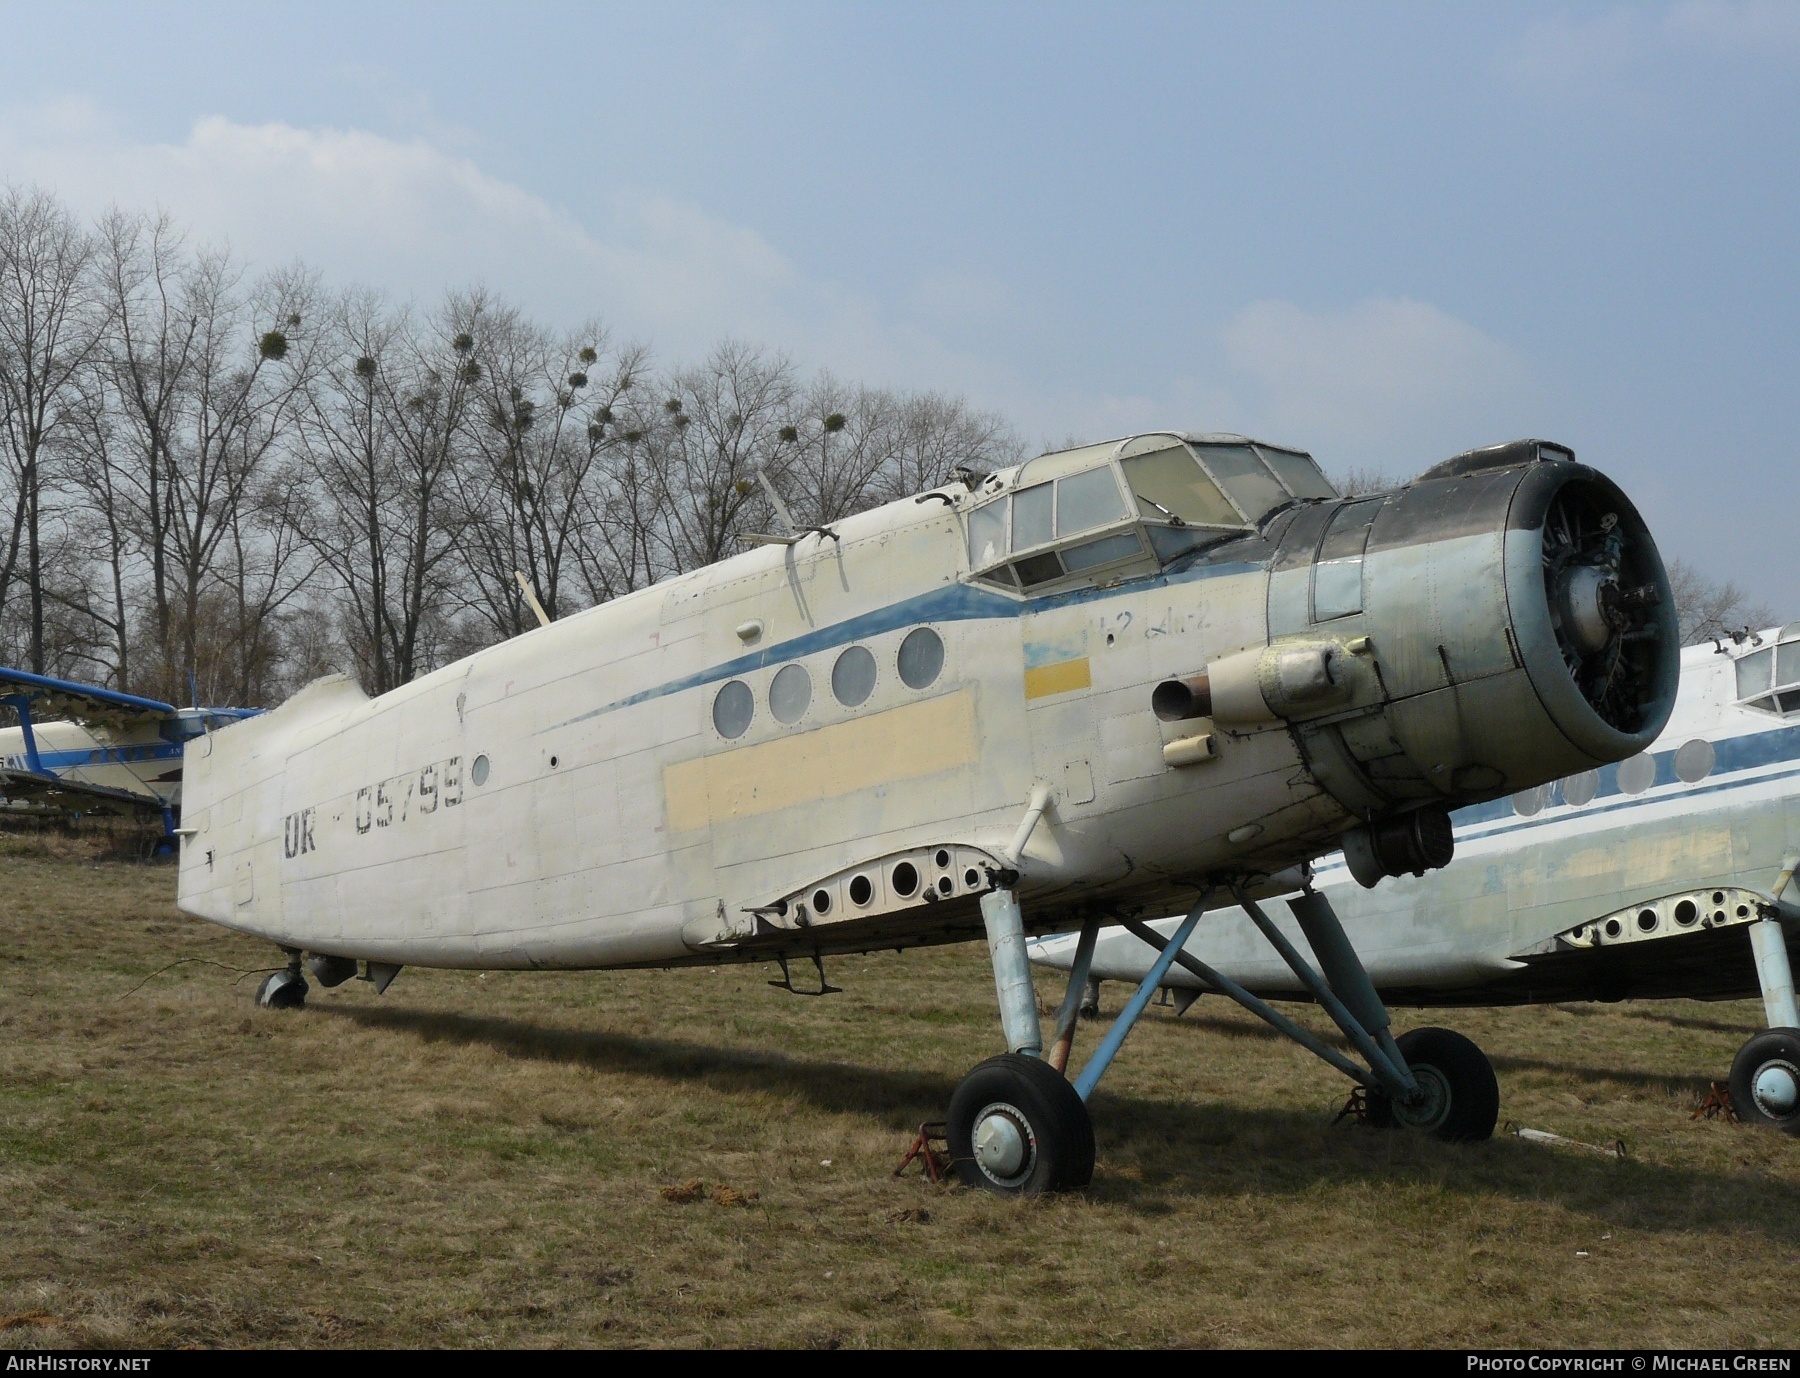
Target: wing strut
x,y
21,704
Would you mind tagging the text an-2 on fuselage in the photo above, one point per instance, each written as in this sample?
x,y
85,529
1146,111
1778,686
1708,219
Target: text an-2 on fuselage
x,y
936,719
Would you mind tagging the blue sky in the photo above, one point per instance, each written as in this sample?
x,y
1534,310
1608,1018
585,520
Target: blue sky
x,y
1383,233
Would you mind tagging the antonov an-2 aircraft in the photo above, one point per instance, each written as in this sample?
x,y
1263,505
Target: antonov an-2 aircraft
x,y
83,749
935,719
1666,876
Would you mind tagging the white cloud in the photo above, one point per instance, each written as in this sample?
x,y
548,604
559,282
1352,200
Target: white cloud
x,y
405,215
408,216
1388,382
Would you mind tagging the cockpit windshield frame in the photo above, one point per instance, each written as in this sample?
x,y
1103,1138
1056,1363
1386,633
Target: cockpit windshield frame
x,y
1027,538
1768,679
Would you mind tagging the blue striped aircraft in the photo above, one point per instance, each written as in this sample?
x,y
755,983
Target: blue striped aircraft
x,y
83,749
1140,674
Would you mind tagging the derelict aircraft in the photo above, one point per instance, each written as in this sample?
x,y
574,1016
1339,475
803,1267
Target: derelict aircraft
x,y
934,720
81,748
1664,876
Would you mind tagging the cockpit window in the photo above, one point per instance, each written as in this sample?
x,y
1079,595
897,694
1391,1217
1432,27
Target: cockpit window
x,y
1168,483
987,534
1245,477
1084,501
1769,679
1032,511
1298,472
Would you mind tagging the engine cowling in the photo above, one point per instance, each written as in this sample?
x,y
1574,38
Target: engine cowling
x,y
1501,621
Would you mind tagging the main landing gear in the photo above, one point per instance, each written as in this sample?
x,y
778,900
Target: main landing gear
x,y
1765,1075
1018,1128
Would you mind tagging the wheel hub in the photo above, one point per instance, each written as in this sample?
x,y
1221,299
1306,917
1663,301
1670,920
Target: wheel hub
x,y
1776,1088
1431,1107
1003,1142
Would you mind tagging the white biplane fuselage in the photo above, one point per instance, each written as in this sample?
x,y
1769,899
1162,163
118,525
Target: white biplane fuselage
x,y
572,798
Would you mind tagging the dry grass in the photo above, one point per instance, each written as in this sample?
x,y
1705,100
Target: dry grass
x,y
693,1158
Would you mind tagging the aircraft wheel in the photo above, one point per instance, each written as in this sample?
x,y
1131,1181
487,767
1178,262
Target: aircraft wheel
x,y
1017,1128
282,990
1462,1099
1765,1080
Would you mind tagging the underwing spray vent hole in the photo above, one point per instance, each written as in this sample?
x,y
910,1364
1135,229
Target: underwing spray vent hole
x,y
861,890
906,878
1647,919
1613,928
942,858
1685,913
972,878
1718,897
945,885
1743,911
821,901
1719,916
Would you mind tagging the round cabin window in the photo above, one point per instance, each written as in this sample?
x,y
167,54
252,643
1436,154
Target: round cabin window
x,y
921,657
1637,774
1581,789
1694,762
789,693
733,709
853,676
1529,802
478,770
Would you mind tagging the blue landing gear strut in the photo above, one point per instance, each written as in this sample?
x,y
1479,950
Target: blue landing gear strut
x,y
1429,1079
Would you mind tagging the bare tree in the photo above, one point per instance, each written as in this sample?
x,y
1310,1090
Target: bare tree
x,y
153,293
1360,481
251,361
48,332
1706,608
935,436
99,466
715,427
541,433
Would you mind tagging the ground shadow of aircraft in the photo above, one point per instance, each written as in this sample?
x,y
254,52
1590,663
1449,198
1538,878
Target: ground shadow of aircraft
x,y
1154,1137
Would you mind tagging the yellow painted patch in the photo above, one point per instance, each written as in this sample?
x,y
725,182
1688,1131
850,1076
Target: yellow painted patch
x,y
1549,875
1059,678
845,758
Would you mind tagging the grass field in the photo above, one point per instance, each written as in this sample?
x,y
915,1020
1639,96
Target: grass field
x,y
481,1160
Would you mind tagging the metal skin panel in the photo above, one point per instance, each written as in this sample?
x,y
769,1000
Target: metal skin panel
x,y
601,819
1491,928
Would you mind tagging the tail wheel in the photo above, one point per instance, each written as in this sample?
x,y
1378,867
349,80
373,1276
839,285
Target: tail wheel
x,y
1017,1128
282,990
1765,1080
1460,1100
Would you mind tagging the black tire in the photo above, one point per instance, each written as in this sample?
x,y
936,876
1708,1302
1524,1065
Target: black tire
x,y
1462,1070
1058,1136
282,990
1772,1051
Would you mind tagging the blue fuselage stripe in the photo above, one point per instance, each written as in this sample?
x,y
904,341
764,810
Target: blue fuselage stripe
x,y
957,603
